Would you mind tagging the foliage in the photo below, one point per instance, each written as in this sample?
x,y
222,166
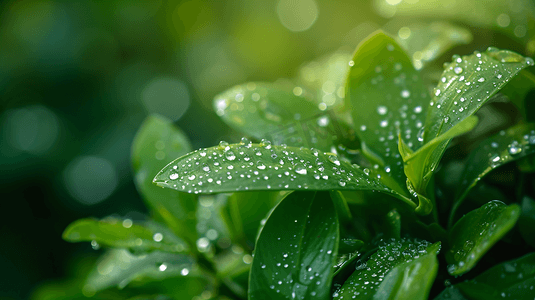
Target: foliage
x,y
348,199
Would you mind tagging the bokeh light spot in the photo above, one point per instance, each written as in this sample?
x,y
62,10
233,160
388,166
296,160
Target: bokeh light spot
x,y
90,179
32,129
166,96
297,15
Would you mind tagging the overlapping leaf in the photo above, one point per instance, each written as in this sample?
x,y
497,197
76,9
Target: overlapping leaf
x,y
506,146
157,142
365,282
296,249
513,279
118,268
246,166
123,233
387,99
475,233
327,77
466,84
411,280
269,111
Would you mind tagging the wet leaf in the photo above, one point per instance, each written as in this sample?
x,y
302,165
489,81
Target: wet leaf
x,y
519,91
426,42
387,98
123,233
389,226
269,111
296,249
466,84
411,280
327,76
475,233
365,282
451,293
156,143
419,166
246,166
506,146
526,223
513,279
119,268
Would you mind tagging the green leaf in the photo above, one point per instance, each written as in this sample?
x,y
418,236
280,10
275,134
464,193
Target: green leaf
x,y
327,76
451,293
420,165
387,98
411,280
475,233
506,146
364,282
118,268
466,84
516,19
269,111
245,212
123,233
513,279
425,42
157,142
389,226
296,249
526,223
240,167
347,246
518,91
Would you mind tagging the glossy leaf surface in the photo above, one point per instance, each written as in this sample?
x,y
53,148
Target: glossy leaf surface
x,y
506,146
518,90
241,167
466,84
156,143
123,233
296,249
277,113
327,77
513,279
119,268
411,280
365,281
420,165
386,97
475,233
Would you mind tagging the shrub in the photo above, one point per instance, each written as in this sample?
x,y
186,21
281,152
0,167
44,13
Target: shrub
x,y
364,183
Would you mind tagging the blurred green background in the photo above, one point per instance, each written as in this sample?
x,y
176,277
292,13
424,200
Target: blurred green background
x,y
77,78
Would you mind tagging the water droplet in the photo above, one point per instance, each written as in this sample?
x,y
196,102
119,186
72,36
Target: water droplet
x,y
382,110
173,176
481,79
351,63
405,94
458,70
514,148
301,171
229,155
162,267
191,177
